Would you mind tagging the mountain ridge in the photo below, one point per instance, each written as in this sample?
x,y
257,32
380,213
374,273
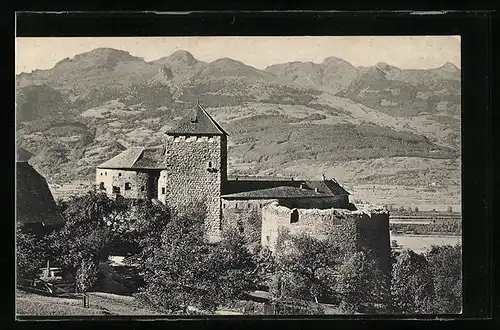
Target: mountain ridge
x,y
78,113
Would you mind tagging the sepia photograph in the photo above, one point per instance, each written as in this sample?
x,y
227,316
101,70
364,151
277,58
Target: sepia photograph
x,y
238,175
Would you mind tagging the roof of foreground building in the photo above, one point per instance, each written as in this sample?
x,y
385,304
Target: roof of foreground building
x,y
34,200
247,188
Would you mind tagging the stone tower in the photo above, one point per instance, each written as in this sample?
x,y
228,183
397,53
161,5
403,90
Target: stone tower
x,y
196,167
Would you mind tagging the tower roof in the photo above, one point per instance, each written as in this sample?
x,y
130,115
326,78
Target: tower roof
x,y
197,122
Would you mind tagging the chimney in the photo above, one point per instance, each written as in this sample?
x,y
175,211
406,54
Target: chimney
x,y
323,177
194,118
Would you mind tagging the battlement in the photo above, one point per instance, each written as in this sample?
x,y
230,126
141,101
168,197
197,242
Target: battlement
x,y
366,227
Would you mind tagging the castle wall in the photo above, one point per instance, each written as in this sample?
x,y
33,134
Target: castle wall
x,y
131,183
244,215
354,230
188,179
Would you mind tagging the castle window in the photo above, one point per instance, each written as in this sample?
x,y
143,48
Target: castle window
x,y
101,173
116,190
294,217
260,205
101,185
142,188
235,205
163,191
106,173
119,174
224,205
127,186
267,239
209,164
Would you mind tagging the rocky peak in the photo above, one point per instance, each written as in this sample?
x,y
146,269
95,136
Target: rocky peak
x,y
182,56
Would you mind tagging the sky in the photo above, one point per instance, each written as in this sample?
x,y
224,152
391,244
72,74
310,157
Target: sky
x,y
405,52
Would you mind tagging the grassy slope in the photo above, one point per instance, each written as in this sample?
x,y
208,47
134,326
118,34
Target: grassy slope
x,y
100,304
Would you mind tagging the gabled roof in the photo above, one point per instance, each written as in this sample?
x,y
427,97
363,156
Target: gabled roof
x,y
197,122
22,155
137,158
281,188
34,201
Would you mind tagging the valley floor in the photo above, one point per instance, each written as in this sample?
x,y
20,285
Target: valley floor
x,y
422,243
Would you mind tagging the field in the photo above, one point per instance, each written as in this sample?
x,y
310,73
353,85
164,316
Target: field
x,y
421,243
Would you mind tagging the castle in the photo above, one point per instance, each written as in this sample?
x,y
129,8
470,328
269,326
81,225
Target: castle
x,y
191,167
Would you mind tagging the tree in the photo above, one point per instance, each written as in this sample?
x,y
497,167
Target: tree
x,y
91,223
411,285
86,275
143,226
362,284
445,263
29,255
306,268
266,266
185,270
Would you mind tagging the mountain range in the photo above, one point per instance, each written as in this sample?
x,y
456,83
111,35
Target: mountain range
x,y
289,119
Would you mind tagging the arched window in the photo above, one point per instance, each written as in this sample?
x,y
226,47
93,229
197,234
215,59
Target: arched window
x,y
101,185
294,216
209,164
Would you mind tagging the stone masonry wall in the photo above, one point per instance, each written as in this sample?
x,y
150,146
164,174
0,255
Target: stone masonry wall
x,y
245,215
138,182
368,227
189,179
